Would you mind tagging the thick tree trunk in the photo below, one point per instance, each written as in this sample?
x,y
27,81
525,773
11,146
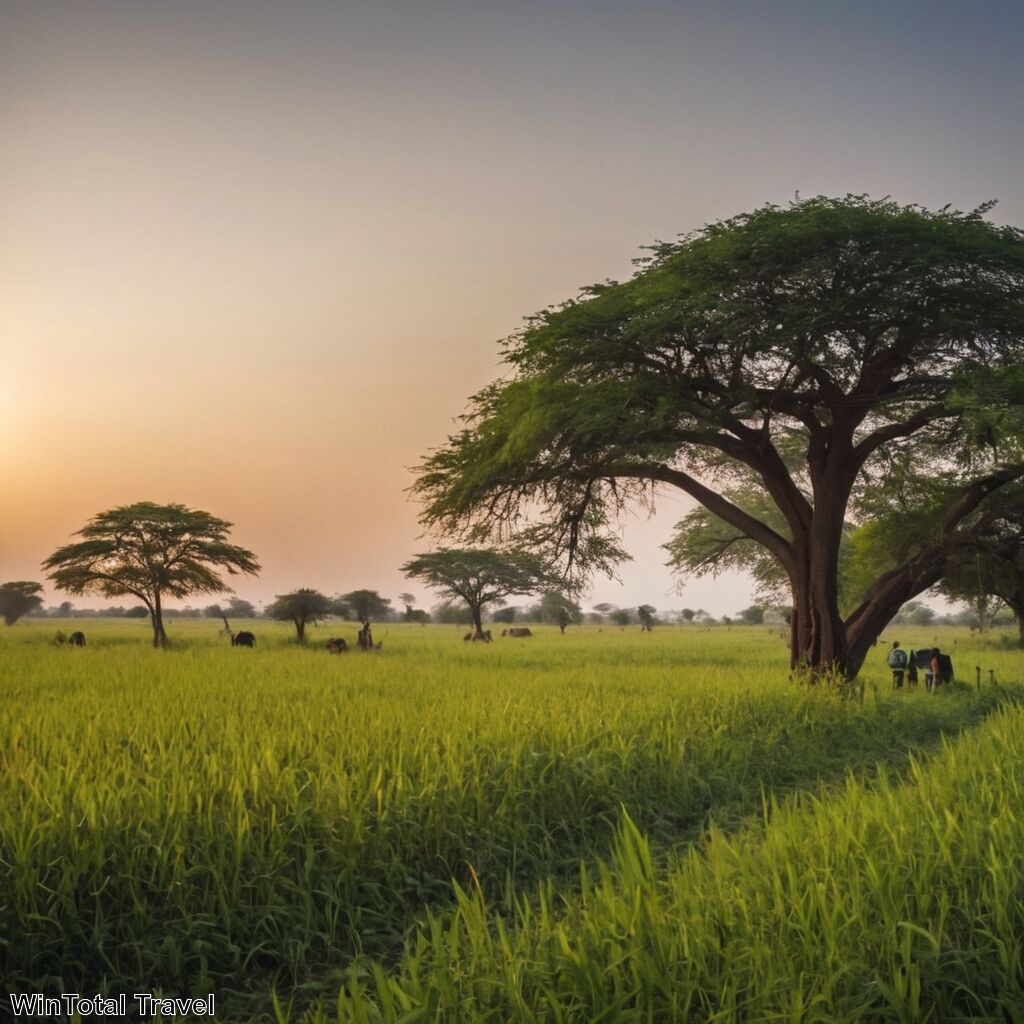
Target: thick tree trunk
x,y
478,622
817,635
156,613
1016,605
300,629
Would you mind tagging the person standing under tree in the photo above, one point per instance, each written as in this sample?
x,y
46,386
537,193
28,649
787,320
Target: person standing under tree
x,y
898,663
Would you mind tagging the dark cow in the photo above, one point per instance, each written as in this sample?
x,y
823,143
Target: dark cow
x,y
336,645
243,639
484,637
517,631
77,639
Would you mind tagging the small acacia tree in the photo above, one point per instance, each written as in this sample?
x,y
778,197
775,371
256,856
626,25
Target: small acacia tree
x,y
645,613
366,604
19,597
151,552
556,607
804,348
302,607
480,577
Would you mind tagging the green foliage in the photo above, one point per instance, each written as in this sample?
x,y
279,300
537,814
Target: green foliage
x,y
480,577
761,322
239,608
451,613
989,568
366,604
782,368
151,552
18,598
301,607
915,613
557,608
752,616
703,544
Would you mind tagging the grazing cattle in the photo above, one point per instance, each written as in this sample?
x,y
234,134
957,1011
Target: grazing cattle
x,y
243,639
921,658
59,638
517,631
77,639
336,645
484,637
467,638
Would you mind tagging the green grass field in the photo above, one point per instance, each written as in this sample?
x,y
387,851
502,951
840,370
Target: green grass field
x,y
605,826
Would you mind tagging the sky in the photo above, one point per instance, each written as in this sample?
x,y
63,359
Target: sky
x,y
256,257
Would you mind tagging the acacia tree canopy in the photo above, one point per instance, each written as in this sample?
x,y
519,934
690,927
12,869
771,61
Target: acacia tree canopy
x,y
19,597
367,604
151,552
804,348
480,577
302,607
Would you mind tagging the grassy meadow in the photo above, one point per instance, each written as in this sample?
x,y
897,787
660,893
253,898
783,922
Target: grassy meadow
x,y
602,826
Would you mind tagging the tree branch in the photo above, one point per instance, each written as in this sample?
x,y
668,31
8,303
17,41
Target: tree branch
x,y
714,502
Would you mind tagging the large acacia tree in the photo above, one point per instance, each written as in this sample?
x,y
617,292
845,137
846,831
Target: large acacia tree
x,y
806,348
151,552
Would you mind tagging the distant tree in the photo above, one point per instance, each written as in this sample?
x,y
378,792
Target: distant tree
x,y
645,613
213,611
479,577
915,614
408,601
341,608
556,608
19,597
503,616
784,612
150,552
451,613
620,617
238,608
139,611
367,605
65,610
752,616
302,607
687,615
419,616
604,609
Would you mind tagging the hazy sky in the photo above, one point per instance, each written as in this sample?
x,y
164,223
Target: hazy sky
x,y
255,257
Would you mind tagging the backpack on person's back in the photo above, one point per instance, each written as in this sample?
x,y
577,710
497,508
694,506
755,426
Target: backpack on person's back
x,y
897,658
